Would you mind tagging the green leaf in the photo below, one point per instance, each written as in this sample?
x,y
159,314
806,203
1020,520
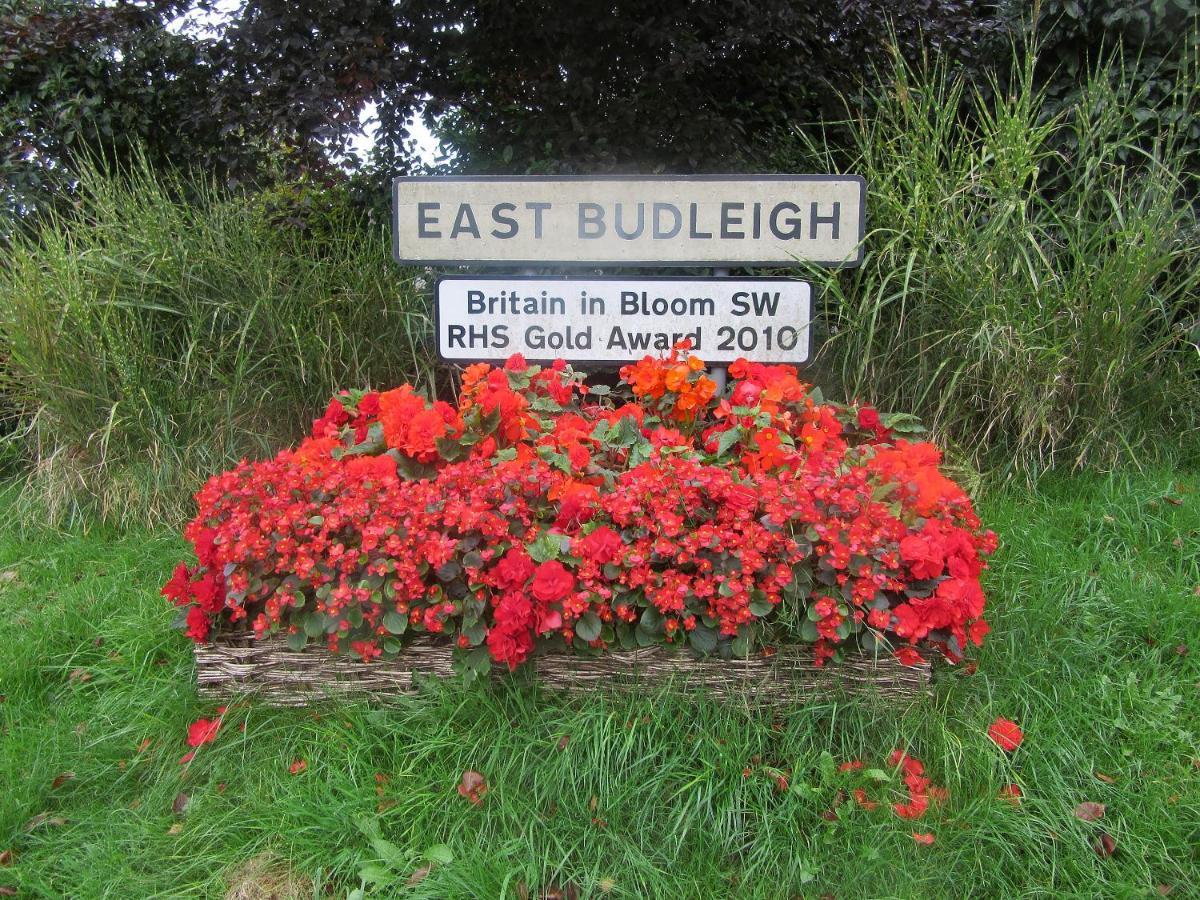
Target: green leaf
x,y
827,766
371,445
479,661
600,390
394,622
703,639
440,853
627,433
315,624
626,637
451,449
803,789
475,633
761,606
740,646
877,775
297,640
388,853
411,470
490,422
902,423
545,404
375,874
727,439
808,631
545,547
588,626
560,461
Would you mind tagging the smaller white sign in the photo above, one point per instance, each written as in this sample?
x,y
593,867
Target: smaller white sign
x,y
619,320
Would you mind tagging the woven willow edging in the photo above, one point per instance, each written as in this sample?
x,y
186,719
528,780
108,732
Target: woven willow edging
x,y
236,663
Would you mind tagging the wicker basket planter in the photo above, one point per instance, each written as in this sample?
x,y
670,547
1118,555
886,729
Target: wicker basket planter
x,y
236,663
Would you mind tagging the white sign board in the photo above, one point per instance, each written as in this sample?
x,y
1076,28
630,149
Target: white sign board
x,y
619,320
723,220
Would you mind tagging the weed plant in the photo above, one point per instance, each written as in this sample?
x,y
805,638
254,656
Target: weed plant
x,y
154,341
1030,285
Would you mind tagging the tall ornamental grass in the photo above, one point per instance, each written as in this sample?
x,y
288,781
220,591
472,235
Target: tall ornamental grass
x,y
1030,280
152,341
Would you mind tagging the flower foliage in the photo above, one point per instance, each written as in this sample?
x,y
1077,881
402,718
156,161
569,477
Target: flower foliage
x,y
541,514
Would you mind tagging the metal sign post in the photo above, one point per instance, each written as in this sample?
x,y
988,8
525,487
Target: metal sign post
x,y
719,374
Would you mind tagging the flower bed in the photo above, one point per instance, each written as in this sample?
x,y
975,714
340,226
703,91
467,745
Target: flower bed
x,y
540,516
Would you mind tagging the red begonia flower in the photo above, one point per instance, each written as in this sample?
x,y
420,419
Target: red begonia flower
x,y
552,581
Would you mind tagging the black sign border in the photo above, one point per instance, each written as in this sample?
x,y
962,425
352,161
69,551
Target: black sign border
x,y
608,363
623,263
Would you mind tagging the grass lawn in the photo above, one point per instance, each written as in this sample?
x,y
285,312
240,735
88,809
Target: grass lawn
x,y
1095,651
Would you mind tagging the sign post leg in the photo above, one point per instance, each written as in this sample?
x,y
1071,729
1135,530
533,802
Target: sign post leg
x,y
718,373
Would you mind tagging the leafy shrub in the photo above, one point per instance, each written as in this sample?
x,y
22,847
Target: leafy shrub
x,y
540,515
1037,307
156,339
1154,44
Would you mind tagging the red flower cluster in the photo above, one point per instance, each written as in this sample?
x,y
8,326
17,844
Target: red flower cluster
x,y
912,771
919,788
539,514
200,732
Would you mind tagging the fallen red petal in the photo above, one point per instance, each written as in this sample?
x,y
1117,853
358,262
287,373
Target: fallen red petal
x,y
473,787
861,798
202,731
1006,734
